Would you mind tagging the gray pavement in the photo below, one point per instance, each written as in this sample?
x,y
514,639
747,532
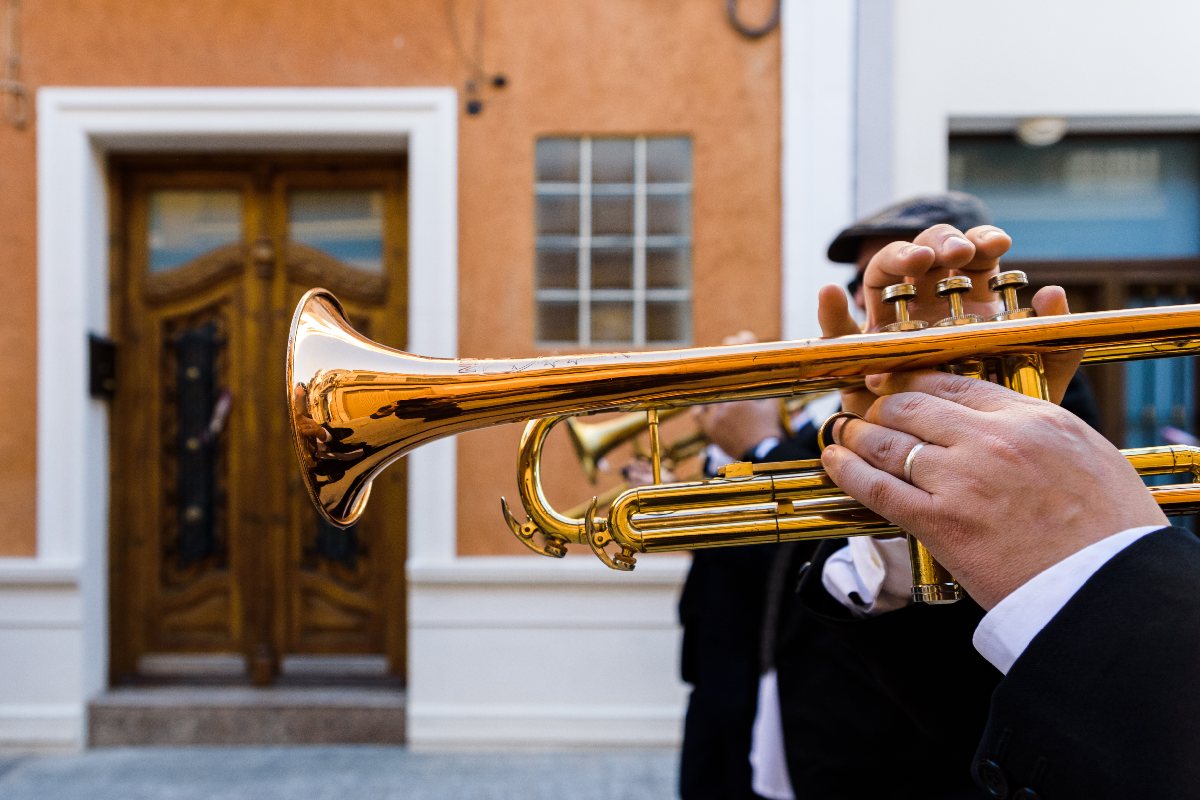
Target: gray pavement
x,y
337,773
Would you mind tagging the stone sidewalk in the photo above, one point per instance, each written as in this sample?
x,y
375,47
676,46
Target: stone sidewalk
x,y
356,772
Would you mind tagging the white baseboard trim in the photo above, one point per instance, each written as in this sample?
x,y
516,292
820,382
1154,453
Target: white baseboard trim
x,y
41,727
524,652
36,572
558,726
578,568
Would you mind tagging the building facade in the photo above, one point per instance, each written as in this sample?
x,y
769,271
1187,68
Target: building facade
x,y
475,179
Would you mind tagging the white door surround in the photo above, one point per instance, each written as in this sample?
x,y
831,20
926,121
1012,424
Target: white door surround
x,y
77,129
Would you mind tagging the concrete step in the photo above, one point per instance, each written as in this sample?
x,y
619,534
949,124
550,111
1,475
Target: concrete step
x,y
177,715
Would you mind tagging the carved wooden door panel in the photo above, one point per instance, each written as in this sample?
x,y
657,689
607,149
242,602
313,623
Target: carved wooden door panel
x,y
220,567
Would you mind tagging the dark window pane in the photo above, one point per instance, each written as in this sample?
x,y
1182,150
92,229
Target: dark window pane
x,y
558,160
612,322
667,268
558,214
558,321
557,269
668,160
612,268
612,161
666,322
669,214
612,215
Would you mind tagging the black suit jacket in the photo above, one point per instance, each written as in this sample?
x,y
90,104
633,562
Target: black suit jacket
x,y
1105,701
888,706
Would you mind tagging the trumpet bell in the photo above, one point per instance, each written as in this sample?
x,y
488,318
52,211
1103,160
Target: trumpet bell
x,y
341,409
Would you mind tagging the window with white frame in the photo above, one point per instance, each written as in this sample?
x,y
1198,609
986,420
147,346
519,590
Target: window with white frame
x,y
614,241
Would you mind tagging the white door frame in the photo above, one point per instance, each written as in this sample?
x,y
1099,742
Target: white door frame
x,y
77,129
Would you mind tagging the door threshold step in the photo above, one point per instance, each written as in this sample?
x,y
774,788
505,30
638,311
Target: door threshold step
x,y
224,715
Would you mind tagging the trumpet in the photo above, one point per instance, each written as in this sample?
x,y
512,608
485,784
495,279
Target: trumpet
x,y
356,406
592,441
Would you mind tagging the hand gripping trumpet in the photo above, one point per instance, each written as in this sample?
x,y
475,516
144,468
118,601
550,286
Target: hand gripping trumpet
x,y
357,406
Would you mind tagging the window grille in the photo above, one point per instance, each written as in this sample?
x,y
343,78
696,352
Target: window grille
x,y
614,239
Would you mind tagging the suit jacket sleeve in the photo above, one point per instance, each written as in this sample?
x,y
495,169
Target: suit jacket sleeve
x,y
1105,701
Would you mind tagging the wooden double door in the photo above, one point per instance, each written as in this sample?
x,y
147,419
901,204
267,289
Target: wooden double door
x,y
221,569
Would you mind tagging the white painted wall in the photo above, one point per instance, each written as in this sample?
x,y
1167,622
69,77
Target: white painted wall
x,y
532,652
818,151
1104,64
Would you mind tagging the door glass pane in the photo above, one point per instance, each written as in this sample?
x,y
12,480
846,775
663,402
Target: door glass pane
x,y
187,223
345,223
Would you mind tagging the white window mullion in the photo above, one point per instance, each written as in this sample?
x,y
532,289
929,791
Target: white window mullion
x,y
639,241
585,241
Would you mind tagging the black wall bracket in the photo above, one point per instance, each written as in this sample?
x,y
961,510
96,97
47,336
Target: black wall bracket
x,y
102,367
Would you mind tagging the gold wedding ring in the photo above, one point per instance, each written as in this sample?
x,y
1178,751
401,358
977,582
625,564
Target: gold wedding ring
x,y
825,432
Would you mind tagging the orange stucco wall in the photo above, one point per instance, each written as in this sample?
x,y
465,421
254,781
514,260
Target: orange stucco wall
x,y
574,67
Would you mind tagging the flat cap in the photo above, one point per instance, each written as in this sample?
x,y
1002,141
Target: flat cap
x,y
907,218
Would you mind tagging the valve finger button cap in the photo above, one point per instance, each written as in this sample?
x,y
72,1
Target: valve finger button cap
x,y
1006,284
899,295
1012,277
953,288
899,291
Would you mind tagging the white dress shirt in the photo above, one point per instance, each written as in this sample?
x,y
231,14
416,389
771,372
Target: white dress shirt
x,y
1006,630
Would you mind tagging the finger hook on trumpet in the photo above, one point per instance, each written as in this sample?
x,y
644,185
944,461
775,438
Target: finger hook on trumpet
x,y
527,534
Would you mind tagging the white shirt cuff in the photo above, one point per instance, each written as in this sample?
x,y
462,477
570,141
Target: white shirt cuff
x,y
870,576
1006,630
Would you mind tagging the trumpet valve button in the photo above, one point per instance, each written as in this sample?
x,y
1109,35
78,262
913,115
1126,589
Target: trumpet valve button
x,y
1014,278
953,288
1006,284
899,295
